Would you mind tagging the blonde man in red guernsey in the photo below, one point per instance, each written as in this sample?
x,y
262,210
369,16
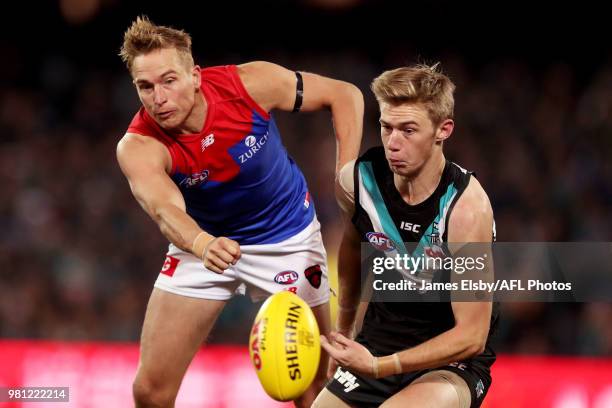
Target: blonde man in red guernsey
x,y
205,160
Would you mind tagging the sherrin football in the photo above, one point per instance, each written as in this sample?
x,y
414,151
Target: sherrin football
x,y
284,346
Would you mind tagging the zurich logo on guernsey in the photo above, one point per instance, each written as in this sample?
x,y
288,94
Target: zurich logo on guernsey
x,y
254,146
250,140
380,241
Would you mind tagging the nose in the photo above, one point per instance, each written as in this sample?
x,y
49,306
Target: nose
x,y
394,140
159,95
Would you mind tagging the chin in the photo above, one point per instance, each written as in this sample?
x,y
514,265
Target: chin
x,y
405,171
169,124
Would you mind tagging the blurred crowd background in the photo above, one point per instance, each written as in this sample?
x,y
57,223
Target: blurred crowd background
x,y
78,256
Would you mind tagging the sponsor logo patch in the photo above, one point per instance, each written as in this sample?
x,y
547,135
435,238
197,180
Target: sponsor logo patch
x,y
348,380
207,141
313,274
409,226
286,277
250,141
195,179
170,265
254,146
380,241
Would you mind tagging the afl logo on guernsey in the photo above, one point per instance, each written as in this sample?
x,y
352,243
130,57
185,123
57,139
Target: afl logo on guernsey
x,y
286,277
195,179
380,241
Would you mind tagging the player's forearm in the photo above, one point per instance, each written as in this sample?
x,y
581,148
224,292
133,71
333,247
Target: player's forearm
x,y
448,347
347,114
349,285
177,226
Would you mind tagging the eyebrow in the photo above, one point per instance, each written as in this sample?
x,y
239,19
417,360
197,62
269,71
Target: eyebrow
x,y
144,81
401,124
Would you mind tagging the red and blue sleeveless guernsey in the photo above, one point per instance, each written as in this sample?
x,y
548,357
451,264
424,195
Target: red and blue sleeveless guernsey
x,y
235,175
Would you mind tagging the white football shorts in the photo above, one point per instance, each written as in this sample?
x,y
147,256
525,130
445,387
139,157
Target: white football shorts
x,y
297,264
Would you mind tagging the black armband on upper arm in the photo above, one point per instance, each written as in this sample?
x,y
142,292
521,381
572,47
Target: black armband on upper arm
x,y
299,93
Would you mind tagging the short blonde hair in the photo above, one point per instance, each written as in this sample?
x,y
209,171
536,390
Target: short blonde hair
x,y
143,37
422,84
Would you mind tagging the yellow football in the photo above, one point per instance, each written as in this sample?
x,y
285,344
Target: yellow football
x,y
284,346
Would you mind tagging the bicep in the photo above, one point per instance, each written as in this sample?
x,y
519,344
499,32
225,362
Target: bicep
x,y
154,189
469,236
270,85
274,87
144,167
319,91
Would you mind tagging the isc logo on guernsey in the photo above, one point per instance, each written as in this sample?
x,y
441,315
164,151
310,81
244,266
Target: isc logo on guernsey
x,y
254,146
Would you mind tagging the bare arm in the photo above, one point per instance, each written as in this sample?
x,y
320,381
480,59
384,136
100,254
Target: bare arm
x,y
471,221
145,163
349,255
349,278
274,87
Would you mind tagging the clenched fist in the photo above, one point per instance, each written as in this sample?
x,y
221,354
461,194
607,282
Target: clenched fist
x,y
217,253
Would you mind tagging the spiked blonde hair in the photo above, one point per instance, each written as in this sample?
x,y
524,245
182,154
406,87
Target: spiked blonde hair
x,y
143,37
422,84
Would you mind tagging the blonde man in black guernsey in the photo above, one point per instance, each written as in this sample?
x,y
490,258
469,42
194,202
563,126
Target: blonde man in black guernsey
x,y
434,354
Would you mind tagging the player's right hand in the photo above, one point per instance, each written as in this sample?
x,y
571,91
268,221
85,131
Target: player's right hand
x,y
220,253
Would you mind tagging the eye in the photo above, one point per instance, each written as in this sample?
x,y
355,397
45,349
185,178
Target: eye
x,y
169,81
408,131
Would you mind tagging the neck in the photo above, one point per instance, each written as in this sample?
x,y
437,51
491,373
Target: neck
x,y
194,123
416,188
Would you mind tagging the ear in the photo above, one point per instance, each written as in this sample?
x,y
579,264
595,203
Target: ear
x,y
444,130
196,76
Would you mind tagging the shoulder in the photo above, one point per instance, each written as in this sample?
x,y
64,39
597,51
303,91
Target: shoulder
x,y
219,74
474,199
135,150
270,85
261,68
259,75
472,217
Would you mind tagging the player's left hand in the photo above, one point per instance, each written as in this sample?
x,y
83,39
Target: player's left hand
x,y
348,353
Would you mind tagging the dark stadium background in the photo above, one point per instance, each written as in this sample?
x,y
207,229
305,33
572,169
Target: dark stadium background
x,y
533,111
